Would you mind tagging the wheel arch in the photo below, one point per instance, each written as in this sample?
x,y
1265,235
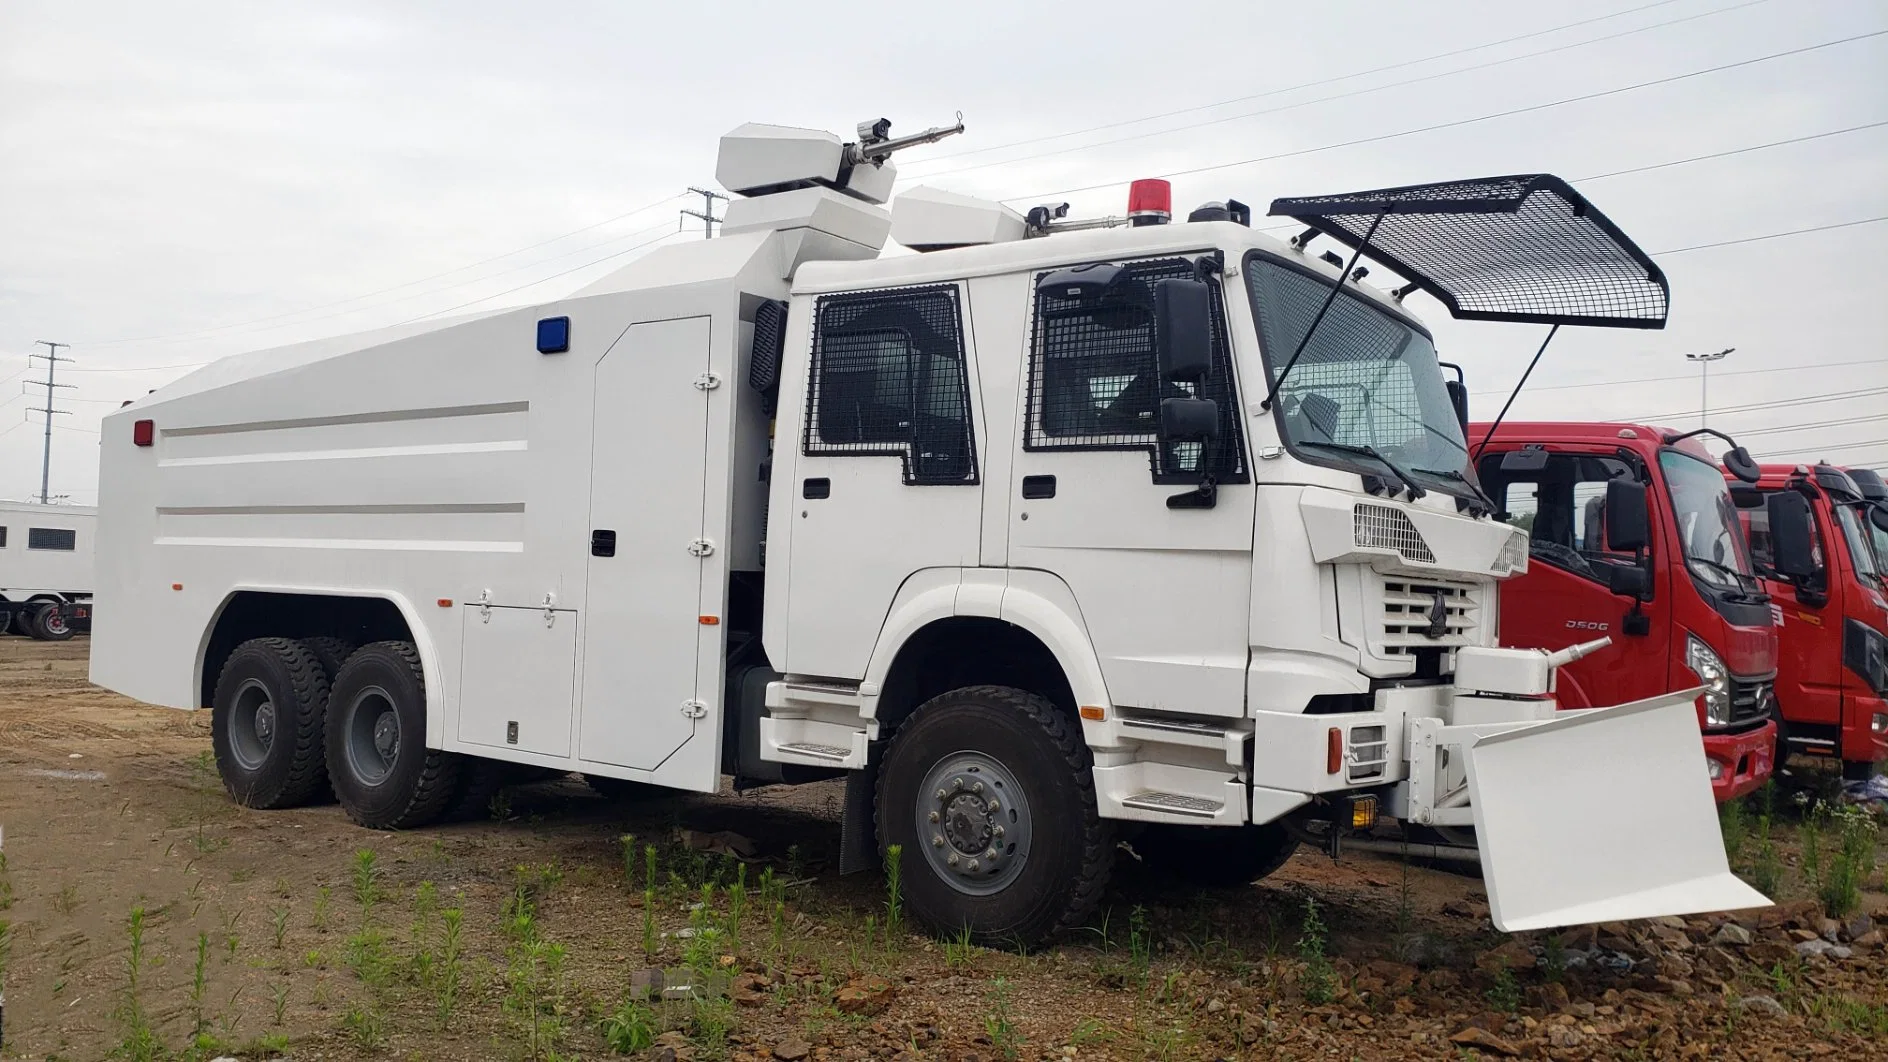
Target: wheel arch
x,y
955,627
361,616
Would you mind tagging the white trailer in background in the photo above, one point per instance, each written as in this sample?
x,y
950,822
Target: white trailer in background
x,y
1133,526
46,568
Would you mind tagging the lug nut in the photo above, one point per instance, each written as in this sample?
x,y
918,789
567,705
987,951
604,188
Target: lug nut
x,y
973,864
957,783
934,816
977,787
994,806
941,794
998,830
991,855
937,840
953,859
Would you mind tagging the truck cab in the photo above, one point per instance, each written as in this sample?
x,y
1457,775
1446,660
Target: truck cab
x,y
1833,654
1681,601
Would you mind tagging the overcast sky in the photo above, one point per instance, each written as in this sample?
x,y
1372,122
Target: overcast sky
x,y
181,181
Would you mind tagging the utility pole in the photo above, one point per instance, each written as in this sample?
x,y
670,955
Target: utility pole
x,y
53,361
1704,372
707,211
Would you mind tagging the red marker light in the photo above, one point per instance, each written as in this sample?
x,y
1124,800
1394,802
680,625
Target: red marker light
x,y
143,433
1150,202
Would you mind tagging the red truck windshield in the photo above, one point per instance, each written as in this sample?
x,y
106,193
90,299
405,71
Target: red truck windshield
x,y
1860,537
1707,522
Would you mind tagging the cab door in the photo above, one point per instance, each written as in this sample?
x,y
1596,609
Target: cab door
x,y
1101,500
1809,628
1557,497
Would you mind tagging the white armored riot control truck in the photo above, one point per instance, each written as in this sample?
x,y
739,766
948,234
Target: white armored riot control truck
x,y
1058,530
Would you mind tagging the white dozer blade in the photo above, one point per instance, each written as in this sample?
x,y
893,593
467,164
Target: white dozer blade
x,y
1601,817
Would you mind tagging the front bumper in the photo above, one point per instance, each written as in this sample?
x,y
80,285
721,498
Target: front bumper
x,y
1861,739
1740,763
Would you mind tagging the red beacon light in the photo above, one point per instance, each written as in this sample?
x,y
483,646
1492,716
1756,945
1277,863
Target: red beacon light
x,y
1150,202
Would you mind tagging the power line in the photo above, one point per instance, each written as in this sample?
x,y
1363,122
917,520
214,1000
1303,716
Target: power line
x,y
1301,85
1457,123
534,283
1824,449
1751,407
1775,235
1813,425
1734,151
1665,379
357,298
1332,98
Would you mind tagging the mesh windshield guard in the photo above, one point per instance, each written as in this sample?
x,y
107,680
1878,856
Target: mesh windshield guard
x,y
1522,248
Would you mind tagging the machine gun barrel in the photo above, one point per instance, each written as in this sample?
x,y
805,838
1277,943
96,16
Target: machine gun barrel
x,y
880,150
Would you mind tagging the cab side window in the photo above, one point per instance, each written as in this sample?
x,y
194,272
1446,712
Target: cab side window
x,y
1561,504
1094,382
888,380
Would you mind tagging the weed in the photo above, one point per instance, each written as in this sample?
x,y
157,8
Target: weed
x,y
1847,1014
651,941
1405,903
1140,944
632,1029
795,867
1809,841
6,948
323,895
279,998
650,866
737,907
499,807
958,951
1734,825
67,901
710,1023
1554,958
1850,863
777,923
998,1025
535,983
1319,980
197,979
268,1044
366,882
446,985
6,884
313,959
278,925
1091,1031
140,1042
894,895
1505,994
366,1025
1766,869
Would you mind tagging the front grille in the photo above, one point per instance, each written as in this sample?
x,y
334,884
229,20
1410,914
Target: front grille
x,y
1387,527
1410,617
1750,700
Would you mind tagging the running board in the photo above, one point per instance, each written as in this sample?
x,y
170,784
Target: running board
x,y
812,743
1165,792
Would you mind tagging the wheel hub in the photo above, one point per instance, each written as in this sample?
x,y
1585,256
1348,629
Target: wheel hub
x,y
387,737
973,822
265,723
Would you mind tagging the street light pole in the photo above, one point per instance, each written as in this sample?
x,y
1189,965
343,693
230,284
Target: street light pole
x,y
1704,372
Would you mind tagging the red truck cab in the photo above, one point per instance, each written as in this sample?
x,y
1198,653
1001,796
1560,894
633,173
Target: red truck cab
x,y
1833,649
1633,534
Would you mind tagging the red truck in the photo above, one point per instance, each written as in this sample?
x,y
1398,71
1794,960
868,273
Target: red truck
x,y
1633,534
1833,654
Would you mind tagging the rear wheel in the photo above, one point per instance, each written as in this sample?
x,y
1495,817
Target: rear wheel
x,y
989,792
332,652
382,772
1216,856
52,624
266,723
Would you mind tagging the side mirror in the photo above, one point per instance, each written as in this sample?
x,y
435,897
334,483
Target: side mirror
x,y
1183,330
1188,419
1791,551
1738,460
1628,580
1458,397
1628,528
1878,515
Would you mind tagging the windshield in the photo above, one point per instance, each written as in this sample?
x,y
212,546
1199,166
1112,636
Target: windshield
x,y
1707,519
1857,531
1365,379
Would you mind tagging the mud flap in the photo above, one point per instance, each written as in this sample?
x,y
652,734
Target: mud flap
x,y
1599,817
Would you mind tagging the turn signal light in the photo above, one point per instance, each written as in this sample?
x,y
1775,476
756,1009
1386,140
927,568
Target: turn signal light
x,y
143,432
1363,813
1333,750
1092,713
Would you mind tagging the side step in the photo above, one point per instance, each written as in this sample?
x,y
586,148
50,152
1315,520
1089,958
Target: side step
x,y
1166,792
815,725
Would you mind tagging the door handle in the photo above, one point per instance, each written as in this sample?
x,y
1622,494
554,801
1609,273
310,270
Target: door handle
x,y
1035,487
816,488
603,542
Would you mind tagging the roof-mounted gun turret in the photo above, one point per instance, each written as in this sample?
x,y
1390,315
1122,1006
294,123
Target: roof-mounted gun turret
x,y
827,196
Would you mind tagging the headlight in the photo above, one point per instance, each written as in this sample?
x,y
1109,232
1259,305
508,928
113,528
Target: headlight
x,y
1717,682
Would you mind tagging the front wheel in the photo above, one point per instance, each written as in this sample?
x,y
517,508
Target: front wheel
x,y
989,793
382,772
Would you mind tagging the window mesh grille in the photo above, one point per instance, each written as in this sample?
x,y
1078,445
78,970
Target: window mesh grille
x,y
1094,381
1521,248
888,380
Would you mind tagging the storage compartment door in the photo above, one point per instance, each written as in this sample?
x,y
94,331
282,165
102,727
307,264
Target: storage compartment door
x,y
517,679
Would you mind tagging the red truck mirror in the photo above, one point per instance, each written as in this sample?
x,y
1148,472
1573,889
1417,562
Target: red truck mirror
x,y
1791,549
1627,526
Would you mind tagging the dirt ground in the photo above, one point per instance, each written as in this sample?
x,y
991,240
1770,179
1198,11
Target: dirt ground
x,y
148,917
